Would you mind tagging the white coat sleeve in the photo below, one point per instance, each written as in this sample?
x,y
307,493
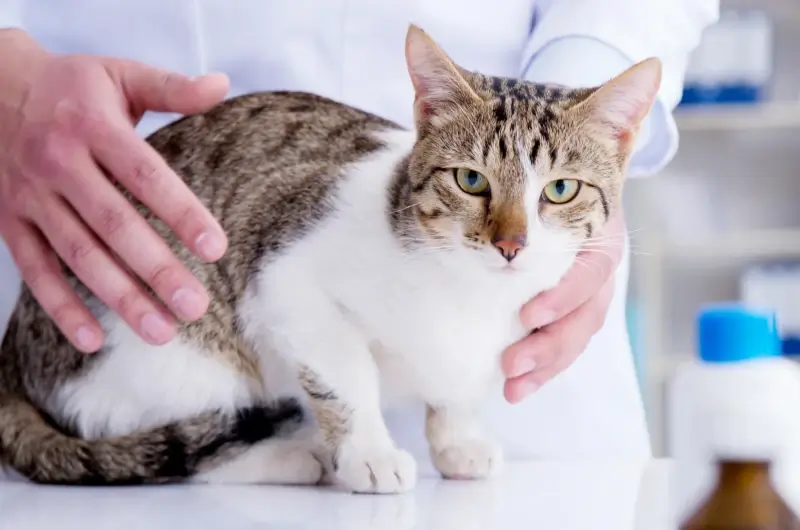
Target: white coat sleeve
x,y
10,14
587,42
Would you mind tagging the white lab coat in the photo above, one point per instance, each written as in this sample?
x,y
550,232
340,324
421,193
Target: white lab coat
x,y
352,50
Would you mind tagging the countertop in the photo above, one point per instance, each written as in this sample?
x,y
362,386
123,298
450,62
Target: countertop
x,y
540,495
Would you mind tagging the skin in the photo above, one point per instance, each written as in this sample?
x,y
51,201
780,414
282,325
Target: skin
x,y
62,118
567,317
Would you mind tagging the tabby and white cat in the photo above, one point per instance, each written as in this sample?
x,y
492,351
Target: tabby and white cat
x,y
366,264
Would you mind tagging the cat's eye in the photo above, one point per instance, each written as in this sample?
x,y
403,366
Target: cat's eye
x,y
471,181
561,191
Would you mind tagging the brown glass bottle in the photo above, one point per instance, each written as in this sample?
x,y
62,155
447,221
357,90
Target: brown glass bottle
x,y
744,499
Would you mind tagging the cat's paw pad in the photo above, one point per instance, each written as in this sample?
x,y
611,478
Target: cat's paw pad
x,y
470,459
387,471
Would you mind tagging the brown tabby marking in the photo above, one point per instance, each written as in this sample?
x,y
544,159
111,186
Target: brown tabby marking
x,y
512,125
331,413
266,165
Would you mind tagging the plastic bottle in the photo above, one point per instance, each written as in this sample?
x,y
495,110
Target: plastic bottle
x,y
734,427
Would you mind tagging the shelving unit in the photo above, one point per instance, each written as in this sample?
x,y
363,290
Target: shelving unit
x,y
706,253
728,201
776,243
776,115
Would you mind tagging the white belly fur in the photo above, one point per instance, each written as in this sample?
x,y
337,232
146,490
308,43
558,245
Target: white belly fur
x,y
138,386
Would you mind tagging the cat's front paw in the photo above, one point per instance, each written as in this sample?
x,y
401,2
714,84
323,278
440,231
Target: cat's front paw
x,y
388,470
470,459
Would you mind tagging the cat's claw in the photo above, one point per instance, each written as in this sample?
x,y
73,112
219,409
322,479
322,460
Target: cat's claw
x,y
470,459
383,471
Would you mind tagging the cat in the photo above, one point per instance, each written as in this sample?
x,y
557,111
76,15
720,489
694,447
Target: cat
x,y
367,264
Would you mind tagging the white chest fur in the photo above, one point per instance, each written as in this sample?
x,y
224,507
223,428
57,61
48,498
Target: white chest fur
x,y
436,323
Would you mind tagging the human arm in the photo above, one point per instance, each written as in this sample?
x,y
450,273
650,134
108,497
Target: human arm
x,y
585,43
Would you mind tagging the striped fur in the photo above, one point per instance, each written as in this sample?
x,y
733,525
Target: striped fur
x,y
308,191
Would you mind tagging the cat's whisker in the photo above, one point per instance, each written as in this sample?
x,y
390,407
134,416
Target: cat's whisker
x,y
406,207
593,267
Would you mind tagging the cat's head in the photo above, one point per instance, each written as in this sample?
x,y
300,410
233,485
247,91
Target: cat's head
x,y
509,171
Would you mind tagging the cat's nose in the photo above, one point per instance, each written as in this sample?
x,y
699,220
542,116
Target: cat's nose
x,y
509,247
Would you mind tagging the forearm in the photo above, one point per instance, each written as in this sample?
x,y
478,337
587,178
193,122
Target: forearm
x,y
587,42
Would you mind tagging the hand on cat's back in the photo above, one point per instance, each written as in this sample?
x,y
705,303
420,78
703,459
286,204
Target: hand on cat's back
x,y
66,133
566,317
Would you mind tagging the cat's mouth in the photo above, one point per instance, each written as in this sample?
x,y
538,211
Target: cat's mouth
x,y
507,268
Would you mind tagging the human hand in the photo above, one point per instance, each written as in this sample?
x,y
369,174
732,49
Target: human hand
x,y
565,317
66,130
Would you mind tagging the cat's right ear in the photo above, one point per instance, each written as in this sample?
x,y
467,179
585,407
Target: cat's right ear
x,y
439,84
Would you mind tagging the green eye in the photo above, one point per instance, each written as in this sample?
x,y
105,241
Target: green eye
x,y
561,191
471,181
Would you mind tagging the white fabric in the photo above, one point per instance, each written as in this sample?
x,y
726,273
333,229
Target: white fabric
x,y
352,50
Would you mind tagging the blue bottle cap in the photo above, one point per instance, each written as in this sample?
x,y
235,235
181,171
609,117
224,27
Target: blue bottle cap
x,y
734,332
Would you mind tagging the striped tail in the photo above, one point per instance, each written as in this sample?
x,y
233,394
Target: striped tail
x,y
43,453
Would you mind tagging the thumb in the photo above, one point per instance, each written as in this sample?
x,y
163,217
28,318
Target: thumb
x,y
147,88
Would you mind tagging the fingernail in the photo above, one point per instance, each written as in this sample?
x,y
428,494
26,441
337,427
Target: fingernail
x,y
541,319
209,246
530,387
523,366
188,303
155,328
86,338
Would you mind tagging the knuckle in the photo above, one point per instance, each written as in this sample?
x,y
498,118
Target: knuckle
x,y
144,176
74,117
126,303
90,123
78,252
35,274
598,320
18,197
61,312
110,220
163,275
51,152
187,222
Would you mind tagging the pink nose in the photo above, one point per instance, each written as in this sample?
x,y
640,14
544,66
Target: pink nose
x,y
509,247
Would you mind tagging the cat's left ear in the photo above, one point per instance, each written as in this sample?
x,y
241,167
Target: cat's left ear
x,y
620,105
440,86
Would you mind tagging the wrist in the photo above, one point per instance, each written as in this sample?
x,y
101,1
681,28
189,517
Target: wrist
x,y
20,59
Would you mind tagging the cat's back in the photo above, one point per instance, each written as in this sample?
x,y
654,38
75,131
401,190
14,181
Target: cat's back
x,y
265,165
282,140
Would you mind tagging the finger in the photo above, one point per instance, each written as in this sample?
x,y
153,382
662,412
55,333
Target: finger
x,y
101,274
41,272
591,270
554,348
116,222
148,88
142,171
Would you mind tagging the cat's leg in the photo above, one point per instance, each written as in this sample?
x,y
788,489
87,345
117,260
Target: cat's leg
x,y
275,461
340,377
458,447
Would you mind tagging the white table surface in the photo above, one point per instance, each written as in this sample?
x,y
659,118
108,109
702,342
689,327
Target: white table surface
x,y
580,495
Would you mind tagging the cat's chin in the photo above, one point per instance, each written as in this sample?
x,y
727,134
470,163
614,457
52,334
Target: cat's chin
x,y
507,268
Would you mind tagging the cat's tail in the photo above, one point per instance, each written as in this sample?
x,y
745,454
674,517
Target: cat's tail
x,y
40,451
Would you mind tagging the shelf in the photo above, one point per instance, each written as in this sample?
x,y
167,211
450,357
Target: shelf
x,y
751,244
778,115
784,10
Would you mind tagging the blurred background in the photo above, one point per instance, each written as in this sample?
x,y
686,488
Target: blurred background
x,y
722,221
